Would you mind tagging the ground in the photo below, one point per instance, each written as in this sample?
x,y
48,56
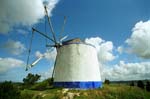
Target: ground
x,y
112,91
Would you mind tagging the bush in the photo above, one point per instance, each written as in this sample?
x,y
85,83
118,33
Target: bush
x,y
48,83
40,86
132,83
140,84
25,94
7,90
148,86
31,79
107,81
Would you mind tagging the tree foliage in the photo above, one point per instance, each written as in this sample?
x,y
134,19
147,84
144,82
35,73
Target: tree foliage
x,y
140,84
45,84
107,81
132,83
50,81
31,79
9,91
148,86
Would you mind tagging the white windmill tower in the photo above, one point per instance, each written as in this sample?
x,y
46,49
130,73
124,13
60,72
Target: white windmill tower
x,y
76,64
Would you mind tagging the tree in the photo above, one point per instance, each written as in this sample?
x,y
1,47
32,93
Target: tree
x,y
148,86
47,83
31,79
107,81
132,83
50,81
140,84
9,91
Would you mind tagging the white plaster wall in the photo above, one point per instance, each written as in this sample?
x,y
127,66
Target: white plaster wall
x,y
77,62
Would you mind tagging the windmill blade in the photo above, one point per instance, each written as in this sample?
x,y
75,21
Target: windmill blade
x,y
62,29
50,25
63,38
36,61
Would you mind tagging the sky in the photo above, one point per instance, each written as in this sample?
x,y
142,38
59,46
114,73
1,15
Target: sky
x,y
119,30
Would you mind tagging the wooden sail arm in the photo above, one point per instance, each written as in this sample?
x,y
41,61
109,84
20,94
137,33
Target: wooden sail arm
x,y
33,29
50,24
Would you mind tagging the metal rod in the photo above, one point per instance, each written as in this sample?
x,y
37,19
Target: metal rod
x,y
43,34
50,24
45,30
29,51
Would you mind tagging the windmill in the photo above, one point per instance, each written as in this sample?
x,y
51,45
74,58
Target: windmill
x,y
76,64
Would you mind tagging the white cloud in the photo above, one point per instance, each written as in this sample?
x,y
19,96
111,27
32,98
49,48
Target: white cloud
x,y
140,39
127,71
49,54
9,63
47,74
38,54
21,31
14,47
24,12
121,71
120,49
104,48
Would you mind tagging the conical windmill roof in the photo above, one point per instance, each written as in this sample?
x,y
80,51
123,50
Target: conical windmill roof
x,y
75,40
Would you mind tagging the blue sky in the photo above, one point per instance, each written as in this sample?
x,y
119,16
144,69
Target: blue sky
x,y
113,21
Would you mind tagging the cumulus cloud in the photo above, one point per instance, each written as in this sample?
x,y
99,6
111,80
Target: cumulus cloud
x,y
14,47
120,49
9,63
104,48
24,12
139,40
127,71
47,74
49,54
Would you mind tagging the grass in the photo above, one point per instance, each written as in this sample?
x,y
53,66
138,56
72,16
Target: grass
x,y
112,91
45,94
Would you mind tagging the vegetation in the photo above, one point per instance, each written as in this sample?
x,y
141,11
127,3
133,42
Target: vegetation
x,y
46,84
140,84
111,91
132,83
8,90
45,90
148,86
31,79
106,81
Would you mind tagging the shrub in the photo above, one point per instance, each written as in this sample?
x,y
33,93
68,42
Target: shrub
x,y
50,81
40,86
148,86
25,94
43,85
132,83
107,81
140,84
7,90
31,79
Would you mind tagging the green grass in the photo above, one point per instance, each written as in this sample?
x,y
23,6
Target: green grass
x,y
112,91
46,94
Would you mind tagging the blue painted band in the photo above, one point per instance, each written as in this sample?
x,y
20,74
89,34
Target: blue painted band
x,y
80,85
